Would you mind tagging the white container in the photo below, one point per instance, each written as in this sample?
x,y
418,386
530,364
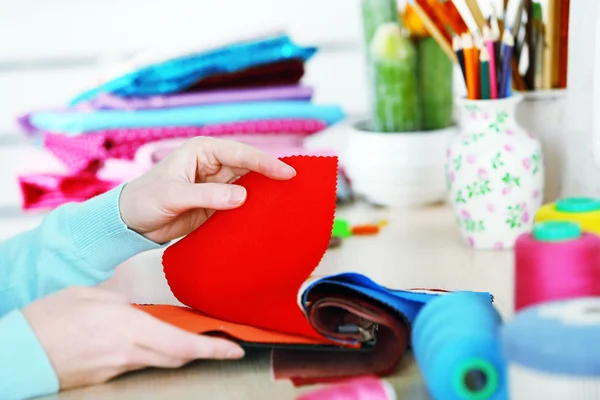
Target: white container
x,y
397,169
541,113
495,174
552,351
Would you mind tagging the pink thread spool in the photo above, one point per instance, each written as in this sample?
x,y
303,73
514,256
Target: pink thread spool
x,y
558,261
365,388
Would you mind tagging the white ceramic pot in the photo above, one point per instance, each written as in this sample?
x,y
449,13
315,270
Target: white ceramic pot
x,y
541,113
397,169
495,174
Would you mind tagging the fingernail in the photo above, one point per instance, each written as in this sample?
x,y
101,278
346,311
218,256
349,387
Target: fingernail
x,y
237,194
287,170
235,352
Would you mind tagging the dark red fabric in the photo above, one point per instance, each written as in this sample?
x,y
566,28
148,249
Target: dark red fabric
x,y
326,313
285,72
246,265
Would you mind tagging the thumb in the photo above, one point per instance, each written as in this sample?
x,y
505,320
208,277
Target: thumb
x,y
215,196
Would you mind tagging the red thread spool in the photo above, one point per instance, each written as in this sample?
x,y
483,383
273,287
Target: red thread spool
x,y
557,261
365,388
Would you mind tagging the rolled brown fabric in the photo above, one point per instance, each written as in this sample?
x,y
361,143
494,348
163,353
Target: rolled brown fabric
x,y
346,318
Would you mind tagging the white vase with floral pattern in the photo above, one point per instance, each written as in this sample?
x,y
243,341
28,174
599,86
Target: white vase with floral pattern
x,y
494,173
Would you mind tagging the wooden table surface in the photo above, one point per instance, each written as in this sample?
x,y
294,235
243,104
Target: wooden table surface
x,y
418,248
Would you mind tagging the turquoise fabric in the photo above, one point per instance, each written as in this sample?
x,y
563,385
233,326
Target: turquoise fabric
x,y
78,244
180,73
76,122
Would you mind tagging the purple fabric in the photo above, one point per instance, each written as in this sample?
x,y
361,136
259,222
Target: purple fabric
x,y
291,92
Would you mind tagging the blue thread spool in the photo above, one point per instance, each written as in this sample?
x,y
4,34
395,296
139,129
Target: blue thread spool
x,y
456,342
552,350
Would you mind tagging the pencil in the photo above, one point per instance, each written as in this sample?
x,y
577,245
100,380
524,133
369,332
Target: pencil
x,y
460,55
498,60
538,25
471,67
484,68
476,11
433,20
489,44
548,71
448,13
564,40
517,79
530,36
556,45
506,77
438,35
515,10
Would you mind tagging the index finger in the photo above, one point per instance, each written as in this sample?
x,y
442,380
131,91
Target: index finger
x,y
158,336
240,155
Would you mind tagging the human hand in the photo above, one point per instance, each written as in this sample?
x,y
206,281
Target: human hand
x,y
183,190
91,336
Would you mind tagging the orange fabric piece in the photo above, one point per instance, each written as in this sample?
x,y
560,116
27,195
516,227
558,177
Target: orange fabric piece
x,y
195,322
246,265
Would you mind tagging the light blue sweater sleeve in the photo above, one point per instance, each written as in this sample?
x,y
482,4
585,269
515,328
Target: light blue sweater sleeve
x,y
76,244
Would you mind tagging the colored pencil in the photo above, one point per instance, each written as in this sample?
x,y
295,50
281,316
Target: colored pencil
x,y
539,46
498,58
556,45
517,79
489,44
514,16
506,77
433,20
530,39
448,13
436,33
476,11
471,67
548,71
564,40
460,55
484,71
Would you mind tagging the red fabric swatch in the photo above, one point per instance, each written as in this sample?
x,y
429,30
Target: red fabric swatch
x,y
252,277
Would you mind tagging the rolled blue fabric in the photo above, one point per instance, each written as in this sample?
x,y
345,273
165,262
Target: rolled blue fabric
x,y
457,345
76,122
180,73
407,303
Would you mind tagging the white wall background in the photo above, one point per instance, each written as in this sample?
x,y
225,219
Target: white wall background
x,y
49,50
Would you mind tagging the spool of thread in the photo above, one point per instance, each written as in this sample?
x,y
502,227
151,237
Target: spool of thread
x,y
556,261
552,351
456,342
583,210
364,388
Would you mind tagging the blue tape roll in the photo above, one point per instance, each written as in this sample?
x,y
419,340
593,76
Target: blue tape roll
x,y
456,342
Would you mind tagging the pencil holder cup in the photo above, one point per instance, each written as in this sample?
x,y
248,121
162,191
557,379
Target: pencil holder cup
x,y
494,174
404,169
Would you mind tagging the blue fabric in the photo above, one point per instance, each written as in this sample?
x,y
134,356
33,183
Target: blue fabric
x,y
405,302
78,244
75,122
180,73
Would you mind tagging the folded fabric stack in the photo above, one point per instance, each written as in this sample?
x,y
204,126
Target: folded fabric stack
x,y
248,90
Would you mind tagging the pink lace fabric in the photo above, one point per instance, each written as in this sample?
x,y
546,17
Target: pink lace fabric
x,y
150,154
86,153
